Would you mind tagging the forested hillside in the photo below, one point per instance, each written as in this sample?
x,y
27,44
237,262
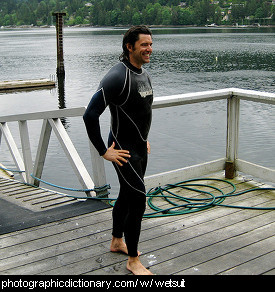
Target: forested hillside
x,y
129,12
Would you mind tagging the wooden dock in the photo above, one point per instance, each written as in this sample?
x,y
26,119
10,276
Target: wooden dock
x,y
215,241
219,240
26,84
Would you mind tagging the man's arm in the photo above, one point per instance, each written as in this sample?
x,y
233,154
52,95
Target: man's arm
x,y
91,116
110,88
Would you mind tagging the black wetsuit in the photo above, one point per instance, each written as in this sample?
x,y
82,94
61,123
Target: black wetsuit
x,y
128,93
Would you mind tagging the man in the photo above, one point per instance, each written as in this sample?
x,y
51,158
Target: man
x,y
127,90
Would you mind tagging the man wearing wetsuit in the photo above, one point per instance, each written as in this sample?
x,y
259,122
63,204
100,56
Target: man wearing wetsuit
x,y
127,90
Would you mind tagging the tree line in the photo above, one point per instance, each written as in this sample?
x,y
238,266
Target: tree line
x,y
132,12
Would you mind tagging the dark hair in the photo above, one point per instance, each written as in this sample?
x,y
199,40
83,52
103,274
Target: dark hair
x,y
131,36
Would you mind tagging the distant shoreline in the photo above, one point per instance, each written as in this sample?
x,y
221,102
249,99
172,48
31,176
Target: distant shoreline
x,y
152,26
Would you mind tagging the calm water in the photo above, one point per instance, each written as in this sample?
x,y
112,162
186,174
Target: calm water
x,y
184,60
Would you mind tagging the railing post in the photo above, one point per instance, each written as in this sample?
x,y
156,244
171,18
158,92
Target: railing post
x,y
233,116
26,149
41,151
13,150
99,175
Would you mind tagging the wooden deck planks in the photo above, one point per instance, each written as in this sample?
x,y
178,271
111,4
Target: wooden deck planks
x,y
32,198
265,262
215,241
223,250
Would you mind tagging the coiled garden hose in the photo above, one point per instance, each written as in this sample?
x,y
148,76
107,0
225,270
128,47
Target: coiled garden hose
x,y
178,204
185,205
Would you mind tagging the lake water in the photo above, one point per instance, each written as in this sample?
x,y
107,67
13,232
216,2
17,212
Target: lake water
x,y
184,60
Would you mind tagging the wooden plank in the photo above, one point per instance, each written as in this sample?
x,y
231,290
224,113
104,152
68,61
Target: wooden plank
x,y
270,272
44,231
159,241
155,249
81,245
175,257
263,263
9,183
26,193
233,256
14,190
20,84
66,256
32,198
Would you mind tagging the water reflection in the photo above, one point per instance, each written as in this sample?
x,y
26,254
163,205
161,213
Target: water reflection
x,y
61,97
61,91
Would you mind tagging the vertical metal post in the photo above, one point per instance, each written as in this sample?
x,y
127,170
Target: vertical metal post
x,y
233,116
60,70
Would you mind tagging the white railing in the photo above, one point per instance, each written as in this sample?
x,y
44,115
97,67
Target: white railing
x,y
230,163
30,170
52,121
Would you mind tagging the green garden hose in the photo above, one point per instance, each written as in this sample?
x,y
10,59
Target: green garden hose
x,y
187,205
179,204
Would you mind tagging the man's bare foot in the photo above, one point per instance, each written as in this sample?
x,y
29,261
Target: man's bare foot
x,y
118,245
136,267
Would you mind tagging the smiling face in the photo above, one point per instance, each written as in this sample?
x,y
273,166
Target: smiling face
x,y
141,52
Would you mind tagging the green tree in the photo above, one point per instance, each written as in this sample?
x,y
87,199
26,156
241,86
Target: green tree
x,y
78,20
251,7
200,14
127,12
166,16
259,13
273,13
42,12
218,16
24,14
158,11
238,12
136,19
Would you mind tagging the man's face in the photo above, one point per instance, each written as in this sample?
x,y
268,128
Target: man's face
x,y
141,52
